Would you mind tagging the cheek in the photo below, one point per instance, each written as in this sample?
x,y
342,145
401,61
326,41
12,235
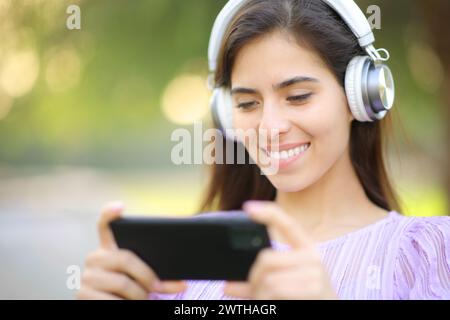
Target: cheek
x,y
329,128
244,120
247,125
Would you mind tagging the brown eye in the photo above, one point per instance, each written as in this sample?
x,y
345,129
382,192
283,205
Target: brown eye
x,y
299,98
246,105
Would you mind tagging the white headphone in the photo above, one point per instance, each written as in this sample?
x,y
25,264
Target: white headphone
x,y
369,84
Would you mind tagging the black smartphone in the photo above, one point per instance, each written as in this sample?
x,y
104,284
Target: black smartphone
x,y
202,247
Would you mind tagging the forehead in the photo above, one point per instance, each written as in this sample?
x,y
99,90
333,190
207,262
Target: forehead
x,y
272,57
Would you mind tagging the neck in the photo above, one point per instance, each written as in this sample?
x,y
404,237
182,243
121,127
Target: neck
x,y
337,199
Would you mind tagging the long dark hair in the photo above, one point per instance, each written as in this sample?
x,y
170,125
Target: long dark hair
x,y
315,26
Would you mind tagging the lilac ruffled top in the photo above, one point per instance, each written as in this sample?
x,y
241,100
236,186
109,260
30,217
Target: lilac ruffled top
x,y
395,258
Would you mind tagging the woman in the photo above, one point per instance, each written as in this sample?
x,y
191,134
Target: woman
x,y
331,211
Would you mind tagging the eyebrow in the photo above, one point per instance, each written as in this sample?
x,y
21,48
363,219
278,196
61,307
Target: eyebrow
x,y
278,86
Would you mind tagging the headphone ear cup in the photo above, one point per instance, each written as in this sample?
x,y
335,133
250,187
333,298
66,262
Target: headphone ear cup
x,y
214,103
353,87
221,108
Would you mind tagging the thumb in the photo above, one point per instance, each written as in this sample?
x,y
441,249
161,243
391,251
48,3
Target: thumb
x,y
110,212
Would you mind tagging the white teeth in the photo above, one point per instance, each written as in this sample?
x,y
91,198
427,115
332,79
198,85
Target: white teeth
x,y
291,153
285,154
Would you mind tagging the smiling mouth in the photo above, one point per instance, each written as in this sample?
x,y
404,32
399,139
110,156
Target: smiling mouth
x,y
288,153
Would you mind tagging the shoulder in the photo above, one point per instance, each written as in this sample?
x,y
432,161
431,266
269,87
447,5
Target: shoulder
x,y
423,259
426,231
429,235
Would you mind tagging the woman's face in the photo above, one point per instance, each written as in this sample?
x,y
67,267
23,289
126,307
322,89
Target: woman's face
x,y
286,93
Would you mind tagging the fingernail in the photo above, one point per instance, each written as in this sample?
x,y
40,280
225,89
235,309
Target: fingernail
x,y
117,206
252,205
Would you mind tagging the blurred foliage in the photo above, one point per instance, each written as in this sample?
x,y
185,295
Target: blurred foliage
x,y
125,54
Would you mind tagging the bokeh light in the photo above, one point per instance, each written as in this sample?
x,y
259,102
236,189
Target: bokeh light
x,y
186,99
19,72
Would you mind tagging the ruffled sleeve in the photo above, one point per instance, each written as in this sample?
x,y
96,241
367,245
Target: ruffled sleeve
x,y
422,267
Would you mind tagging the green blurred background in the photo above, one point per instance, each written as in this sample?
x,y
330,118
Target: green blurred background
x,y
86,117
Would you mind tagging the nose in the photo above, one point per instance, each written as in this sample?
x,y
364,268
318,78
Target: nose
x,y
273,122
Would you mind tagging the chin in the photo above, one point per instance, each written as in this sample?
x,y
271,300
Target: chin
x,y
290,183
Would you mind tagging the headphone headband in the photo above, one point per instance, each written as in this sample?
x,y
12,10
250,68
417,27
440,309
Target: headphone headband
x,y
348,10
220,27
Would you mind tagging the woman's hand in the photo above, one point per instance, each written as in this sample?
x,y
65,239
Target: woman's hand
x,y
113,273
293,274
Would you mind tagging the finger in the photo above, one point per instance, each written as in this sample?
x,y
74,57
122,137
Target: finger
x,y
282,285
293,284
270,214
269,261
86,293
238,289
116,283
126,262
170,286
110,212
